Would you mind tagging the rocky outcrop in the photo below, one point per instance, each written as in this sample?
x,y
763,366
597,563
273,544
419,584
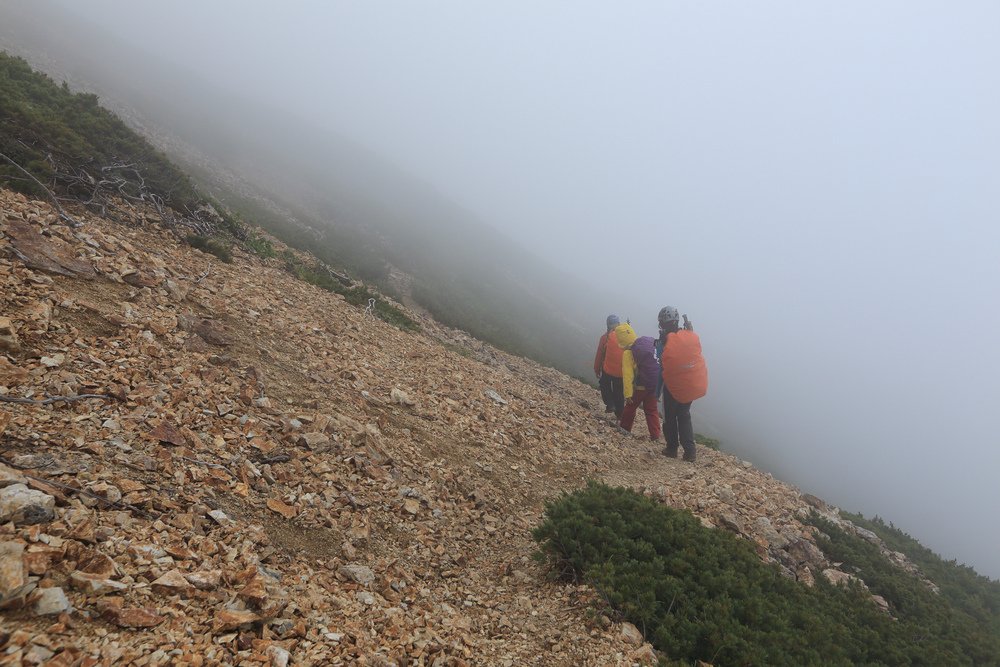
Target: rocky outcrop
x,y
52,255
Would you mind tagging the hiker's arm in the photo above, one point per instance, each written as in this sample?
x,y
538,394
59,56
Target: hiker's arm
x,y
602,348
628,373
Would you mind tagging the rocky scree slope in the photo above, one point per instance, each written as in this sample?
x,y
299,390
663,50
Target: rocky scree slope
x,y
277,479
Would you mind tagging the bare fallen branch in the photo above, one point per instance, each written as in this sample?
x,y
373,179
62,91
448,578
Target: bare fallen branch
x,y
55,399
62,212
208,464
275,458
85,492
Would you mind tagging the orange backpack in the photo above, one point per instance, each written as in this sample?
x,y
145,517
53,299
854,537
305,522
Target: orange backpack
x,y
684,371
613,356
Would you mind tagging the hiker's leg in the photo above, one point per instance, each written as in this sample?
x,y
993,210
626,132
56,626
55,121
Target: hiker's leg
x,y
670,431
652,415
685,428
606,395
628,414
618,395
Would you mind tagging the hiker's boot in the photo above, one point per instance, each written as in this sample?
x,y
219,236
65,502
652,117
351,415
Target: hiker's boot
x,y
609,409
689,455
670,451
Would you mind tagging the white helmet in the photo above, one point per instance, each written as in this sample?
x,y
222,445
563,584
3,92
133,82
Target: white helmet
x,y
668,314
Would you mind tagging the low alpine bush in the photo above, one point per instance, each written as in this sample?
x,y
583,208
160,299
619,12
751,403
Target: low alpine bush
x,y
703,594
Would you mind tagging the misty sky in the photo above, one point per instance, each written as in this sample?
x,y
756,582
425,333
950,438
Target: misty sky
x,y
817,184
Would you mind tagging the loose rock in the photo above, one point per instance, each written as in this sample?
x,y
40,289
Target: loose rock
x,y
50,601
359,574
12,573
25,506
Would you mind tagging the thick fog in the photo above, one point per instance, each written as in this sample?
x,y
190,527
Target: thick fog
x,y
817,185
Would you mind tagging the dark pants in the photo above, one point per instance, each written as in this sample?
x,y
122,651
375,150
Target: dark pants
x,y
613,393
677,427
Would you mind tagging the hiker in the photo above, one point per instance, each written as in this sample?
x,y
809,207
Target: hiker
x,y
685,379
608,368
639,372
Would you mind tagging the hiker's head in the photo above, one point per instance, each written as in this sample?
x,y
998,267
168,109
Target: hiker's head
x,y
625,335
668,319
613,321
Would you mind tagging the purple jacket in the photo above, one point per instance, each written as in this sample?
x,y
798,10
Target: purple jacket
x,y
648,366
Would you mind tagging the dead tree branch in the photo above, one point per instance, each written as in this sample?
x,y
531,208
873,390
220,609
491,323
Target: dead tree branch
x,y
208,464
62,212
66,487
55,399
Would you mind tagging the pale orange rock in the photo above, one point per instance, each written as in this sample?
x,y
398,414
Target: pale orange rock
x,y
281,508
226,619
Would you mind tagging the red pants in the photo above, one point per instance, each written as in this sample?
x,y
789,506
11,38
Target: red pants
x,y
648,400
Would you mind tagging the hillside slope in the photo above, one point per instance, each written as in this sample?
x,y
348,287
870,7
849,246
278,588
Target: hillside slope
x,y
299,180
273,473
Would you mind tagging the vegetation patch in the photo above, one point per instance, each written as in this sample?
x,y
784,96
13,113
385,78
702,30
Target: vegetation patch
x,y
212,246
960,625
703,594
317,274
459,349
705,441
260,246
961,585
49,131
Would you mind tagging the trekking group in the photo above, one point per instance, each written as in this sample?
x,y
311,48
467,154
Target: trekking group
x,y
637,371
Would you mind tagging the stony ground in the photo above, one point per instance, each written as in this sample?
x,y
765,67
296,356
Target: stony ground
x,y
273,478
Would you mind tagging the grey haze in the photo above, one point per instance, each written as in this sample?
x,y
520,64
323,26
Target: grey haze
x,y
816,184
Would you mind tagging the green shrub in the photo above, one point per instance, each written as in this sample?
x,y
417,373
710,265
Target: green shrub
x,y
359,295
705,441
39,118
963,620
973,593
232,223
703,594
459,349
212,246
260,246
